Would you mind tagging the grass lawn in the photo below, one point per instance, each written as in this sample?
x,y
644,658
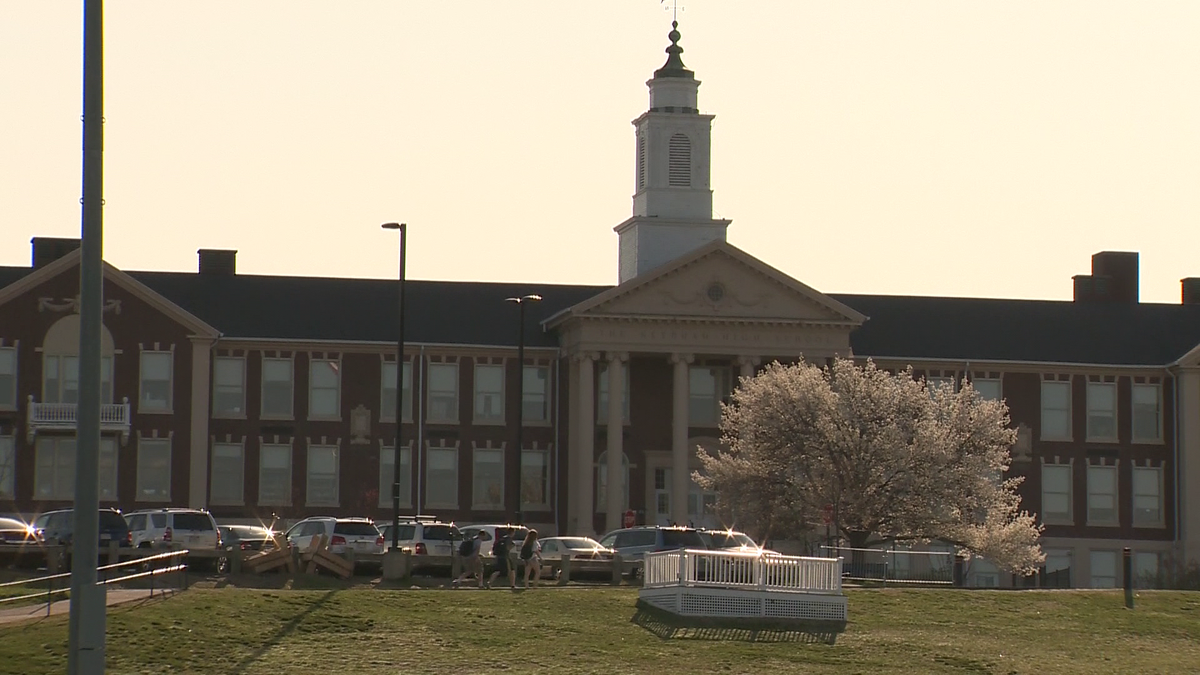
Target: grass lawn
x,y
337,630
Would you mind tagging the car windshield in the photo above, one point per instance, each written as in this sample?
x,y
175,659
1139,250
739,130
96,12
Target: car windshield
x,y
682,539
579,542
441,533
112,520
356,529
193,521
730,540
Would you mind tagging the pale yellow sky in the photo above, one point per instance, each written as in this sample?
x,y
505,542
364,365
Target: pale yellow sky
x,y
934,147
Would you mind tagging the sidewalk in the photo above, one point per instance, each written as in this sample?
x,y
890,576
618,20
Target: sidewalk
x,y
115,596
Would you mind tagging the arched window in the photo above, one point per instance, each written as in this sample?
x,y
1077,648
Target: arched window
x,y
602,482
679,161
60,362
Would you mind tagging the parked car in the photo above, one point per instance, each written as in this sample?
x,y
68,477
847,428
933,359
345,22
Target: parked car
x,y
516,533
344,535
191,529
19,543
425,536
586,554
633,543
58,527
235,539
732,540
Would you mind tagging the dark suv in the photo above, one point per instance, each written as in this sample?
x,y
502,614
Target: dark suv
x,y
58,527
635,542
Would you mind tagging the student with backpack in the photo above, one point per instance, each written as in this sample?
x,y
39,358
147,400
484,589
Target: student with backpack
x,y
531,557
469,550
500,549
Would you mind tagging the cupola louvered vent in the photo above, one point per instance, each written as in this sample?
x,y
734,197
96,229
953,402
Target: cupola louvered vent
x,y
641,161
679,161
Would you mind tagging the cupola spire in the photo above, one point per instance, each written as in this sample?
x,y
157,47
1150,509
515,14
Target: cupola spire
x,y
674,66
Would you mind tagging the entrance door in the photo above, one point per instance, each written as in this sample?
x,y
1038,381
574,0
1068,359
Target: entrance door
x,y
701,503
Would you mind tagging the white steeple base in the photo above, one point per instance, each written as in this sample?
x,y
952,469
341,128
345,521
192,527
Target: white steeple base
x,y
647,242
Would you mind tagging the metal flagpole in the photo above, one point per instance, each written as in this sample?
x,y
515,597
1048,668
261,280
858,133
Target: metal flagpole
x,y
86,624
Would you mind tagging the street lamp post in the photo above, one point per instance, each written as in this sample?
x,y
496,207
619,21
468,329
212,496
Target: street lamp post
x,y
520,302
403,228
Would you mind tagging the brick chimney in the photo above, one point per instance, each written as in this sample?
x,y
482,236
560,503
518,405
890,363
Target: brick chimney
x,y
1191,290
217,262
1114,278
48,249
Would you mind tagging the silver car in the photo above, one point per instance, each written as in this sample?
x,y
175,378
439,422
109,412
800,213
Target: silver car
x,y
343,535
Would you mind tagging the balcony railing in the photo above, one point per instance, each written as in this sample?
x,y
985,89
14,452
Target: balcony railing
x,y
65,417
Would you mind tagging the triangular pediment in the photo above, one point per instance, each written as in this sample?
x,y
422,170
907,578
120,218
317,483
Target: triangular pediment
x,y
719,281
114,276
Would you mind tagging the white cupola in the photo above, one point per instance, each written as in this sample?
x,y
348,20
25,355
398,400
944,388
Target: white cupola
x,y
672,202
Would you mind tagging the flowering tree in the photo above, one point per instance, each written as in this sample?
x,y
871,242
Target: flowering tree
x,y
895,460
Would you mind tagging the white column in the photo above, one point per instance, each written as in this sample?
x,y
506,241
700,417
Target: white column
x,y
748,364
1187,408
574,517
585,458
680,476
615,450
198,445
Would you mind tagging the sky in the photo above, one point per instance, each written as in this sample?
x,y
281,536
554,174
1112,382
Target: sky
x,y
921,147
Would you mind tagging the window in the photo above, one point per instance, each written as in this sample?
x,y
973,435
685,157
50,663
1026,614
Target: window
x,y
602,482
387,473
1147,496
60,380
989,389
227,474
443,392
387,397
535,394
107,470
1104,569
277,388
535,479
1057,568
275,475
8,467
1056,410
441,477
229,386
488,492
1102,495
155,389
602,398
489,393
1102,411
984,574
1056,493
322,476
707,388
932,383
54,470
1147,412
1146,569
8,377
154,470
679,161
324,386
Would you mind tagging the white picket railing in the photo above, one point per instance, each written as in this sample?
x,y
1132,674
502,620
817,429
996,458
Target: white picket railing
x,y
750,571
66,415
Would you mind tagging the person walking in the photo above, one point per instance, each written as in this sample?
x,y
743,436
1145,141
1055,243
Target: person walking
x,y
471,551
500,549
531,557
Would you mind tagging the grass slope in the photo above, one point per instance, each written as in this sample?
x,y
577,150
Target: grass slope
x,y
585,630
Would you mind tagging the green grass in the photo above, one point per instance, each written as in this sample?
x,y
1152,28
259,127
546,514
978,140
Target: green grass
x,y
336,630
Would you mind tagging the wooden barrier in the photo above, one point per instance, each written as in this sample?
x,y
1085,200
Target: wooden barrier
x,y
318,556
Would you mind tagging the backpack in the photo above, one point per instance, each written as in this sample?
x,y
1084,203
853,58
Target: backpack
x,y
466,548
527,550
500,546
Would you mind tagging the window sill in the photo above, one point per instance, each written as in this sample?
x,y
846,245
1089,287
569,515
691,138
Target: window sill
x,y
1103,523
445,422
277,418
392,420
1091,439
8,408
228,416
487,423
1060,439
323,418
1135,441
1150,526
155,411
327,505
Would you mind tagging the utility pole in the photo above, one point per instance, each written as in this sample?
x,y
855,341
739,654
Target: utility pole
x,y
86,624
